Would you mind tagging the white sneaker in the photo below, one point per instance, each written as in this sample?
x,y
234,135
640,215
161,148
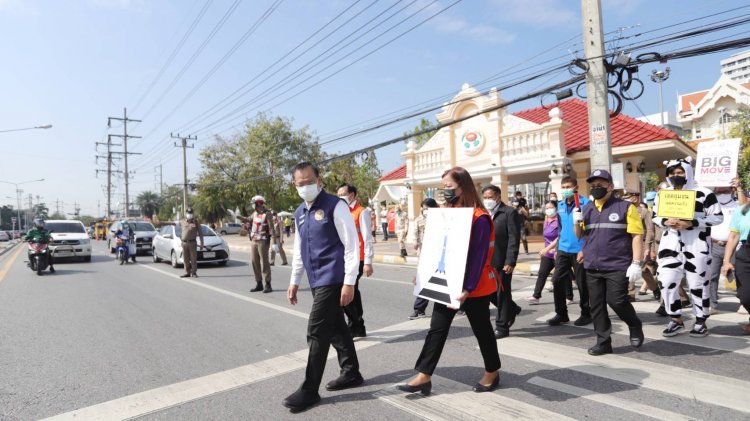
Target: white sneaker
x,y
532,300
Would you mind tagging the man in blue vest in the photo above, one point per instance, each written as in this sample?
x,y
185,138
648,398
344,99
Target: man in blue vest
x,y
569,259
327,248
614,239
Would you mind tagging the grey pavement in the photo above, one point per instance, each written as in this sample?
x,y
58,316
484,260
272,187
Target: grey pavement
x,y
102,341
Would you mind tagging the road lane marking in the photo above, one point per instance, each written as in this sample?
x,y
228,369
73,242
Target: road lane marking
x,y
452,400
229,293
698,385
714,341
11,259
608,399
169,396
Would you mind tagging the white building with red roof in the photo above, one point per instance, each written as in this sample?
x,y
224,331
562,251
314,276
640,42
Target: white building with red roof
x,y
709,114
530,150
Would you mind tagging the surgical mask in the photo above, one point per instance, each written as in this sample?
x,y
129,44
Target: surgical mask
x,y
724,198
345,199
450,196
550,212
567,193
598,192
189,215
309,192
678,180
489,204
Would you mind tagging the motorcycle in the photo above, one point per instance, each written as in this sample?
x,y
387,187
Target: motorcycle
x,y
39,257
124,249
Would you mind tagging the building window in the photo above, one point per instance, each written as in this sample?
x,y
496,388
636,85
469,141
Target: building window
x,y
726,118
698,134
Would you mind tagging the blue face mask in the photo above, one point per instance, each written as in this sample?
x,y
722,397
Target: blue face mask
x,y
567,193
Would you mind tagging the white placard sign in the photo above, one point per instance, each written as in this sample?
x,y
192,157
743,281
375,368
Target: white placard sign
x,y
717,162
618,176
442,260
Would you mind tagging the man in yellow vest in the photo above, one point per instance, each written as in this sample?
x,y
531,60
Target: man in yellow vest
x,y
362,222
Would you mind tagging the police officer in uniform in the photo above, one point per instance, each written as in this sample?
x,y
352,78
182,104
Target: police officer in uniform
x,y
191,229
611,253
327,249
260,243
402,228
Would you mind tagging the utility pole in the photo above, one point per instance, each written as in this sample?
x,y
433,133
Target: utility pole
x,y
161,179
658,76
184,147
109,159
596,86
125,152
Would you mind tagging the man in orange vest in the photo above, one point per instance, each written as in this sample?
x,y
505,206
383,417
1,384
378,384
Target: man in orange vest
x,y
362,221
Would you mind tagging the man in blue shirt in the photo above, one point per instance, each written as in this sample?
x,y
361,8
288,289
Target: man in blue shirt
x,y
569,258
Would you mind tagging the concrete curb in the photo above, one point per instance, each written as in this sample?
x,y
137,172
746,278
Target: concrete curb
x,y
10,247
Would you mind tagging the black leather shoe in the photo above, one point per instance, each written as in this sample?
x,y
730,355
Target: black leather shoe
x,y
51,269
185,275
558,320
300,401
661,311
424,388
267,289
343,382
636,337
501,333
479,387
359,333
597,350
582,321
257,288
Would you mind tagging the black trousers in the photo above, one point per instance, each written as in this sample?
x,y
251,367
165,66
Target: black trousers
x,y
503,300
742,275
354,310
385,231
478,312
564,263
546,265
609,288
325,327
420,304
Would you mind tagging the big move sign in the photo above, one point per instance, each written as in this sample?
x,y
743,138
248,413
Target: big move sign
x,y
717,162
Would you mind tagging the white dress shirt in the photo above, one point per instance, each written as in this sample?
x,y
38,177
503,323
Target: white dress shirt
x,y
365,228
347,231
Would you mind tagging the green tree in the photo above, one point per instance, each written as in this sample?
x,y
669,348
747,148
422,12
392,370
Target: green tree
x,y
741,129
6,213
652,180
149,203
58,215
87,219
363,175
258,161
170,203
421,139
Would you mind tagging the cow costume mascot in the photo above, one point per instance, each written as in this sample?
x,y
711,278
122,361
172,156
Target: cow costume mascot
x,y
685,250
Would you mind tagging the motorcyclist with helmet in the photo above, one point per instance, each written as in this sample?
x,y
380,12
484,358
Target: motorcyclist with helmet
x,y
127,235
39,234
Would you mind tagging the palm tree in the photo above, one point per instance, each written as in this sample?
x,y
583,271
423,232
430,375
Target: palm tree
x,y
149,203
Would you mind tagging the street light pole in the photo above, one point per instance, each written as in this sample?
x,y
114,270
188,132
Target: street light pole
x,y
18,195
658,76
43,127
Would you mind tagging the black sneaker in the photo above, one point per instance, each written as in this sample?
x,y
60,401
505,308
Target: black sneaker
x,y
582,321
416,315
501,333
673,329
558,320
598,350
661,311
699,331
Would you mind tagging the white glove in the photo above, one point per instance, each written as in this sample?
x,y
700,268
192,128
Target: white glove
x,y
634,272
577,215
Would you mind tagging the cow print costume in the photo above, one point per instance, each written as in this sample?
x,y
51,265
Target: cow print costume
x,y
686,253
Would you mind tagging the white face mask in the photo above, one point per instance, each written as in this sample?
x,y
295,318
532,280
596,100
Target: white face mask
x,y
309,192
189,215
489,204
549,212
345,199
424,212
724,198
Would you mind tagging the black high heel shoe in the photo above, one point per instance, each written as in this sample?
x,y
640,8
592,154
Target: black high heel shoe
x,y
424,388
480,388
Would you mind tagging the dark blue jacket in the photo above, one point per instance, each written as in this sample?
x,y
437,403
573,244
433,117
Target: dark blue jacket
x,y
608,245
321,248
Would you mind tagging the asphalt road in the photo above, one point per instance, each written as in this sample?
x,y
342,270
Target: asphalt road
x,y
102,341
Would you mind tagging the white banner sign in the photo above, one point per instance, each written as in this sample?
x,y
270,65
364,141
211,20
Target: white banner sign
x,y
442,260
618,175
717,162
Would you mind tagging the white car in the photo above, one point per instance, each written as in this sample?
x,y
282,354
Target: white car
x,y
230,228
168,246
69,239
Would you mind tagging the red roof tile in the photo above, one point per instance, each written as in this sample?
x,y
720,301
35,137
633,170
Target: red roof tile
x,y
694,98
396,174
625,129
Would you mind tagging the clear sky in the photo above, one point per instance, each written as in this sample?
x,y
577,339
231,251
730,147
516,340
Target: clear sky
x,y
73,63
